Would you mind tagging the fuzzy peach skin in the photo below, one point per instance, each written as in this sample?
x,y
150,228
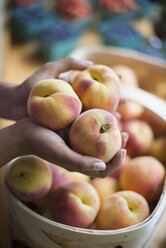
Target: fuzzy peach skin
x,y
126,74
69,76
28,177
78,176
53,104
98,87
145,175
122,209
75,203
105,186
59,176
96,133
116,173
140,137
158,149
130,110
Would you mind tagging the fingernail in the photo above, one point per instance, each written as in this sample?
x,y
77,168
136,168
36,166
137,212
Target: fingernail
x,y
126,136
124,153
87,62
99,166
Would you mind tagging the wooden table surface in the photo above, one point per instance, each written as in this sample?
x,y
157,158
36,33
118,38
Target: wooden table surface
x,y
18,63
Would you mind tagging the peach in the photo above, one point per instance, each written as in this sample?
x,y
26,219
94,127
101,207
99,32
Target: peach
x,y
78,176
96,133
130,110
105,186
75,203
28,177
158,149
144,175
140,137
59,176
116,173
122,209
98,87
53,104
157,124
127,75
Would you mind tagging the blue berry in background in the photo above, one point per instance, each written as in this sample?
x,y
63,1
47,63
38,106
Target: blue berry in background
x,y
58,40
26,21
120,33
60,30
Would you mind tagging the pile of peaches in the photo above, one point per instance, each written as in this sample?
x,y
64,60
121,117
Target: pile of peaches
x,y
88,108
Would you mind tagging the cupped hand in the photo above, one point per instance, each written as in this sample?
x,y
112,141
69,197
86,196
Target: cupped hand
x,y
49,70
54,148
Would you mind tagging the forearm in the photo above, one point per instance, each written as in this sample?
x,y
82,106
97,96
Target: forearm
x,y
10,144
10,107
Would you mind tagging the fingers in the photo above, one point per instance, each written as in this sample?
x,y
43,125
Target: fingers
x,y
115,162
69,76
111,166
125,137
117,115
50,146
55,68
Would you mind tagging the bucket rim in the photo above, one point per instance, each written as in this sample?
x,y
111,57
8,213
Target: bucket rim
x,y
123,52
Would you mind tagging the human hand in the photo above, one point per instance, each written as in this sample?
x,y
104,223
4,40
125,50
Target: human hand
x,y
26,137
55,148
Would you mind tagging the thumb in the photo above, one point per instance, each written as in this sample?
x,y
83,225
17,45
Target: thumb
x,y
50,146
73,161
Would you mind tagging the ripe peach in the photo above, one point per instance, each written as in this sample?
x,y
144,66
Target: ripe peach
x,y
130,110
95,133
145,175
105,186
127,75
140,137
116,173
98,87
28,177
122,209
75,203
158,149
78,176
53,104
59,176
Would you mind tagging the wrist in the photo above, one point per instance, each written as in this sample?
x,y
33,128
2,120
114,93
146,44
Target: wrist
x,y
19,109
9,101
11,144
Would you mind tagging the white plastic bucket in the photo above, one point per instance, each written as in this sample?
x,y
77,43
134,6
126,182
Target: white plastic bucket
x,y
38,232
